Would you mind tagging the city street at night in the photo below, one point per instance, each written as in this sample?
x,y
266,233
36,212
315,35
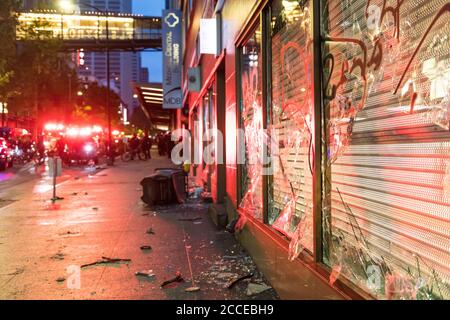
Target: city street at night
x,y
215,158
102,215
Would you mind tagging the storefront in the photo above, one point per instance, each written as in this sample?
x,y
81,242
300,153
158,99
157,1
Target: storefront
x,y
337,141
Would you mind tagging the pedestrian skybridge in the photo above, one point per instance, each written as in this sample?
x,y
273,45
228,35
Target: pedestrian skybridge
x,y
88,30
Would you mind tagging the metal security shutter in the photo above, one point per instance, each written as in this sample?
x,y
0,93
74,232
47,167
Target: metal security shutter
x,y
291,114
389,154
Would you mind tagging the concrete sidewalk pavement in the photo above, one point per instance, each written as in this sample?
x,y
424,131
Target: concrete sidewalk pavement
x,y
42,247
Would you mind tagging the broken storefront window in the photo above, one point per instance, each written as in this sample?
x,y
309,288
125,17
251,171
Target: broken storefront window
x,y
290,195
386,209
252,123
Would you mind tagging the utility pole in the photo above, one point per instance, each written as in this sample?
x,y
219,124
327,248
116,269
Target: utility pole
x,y
110,152
108,104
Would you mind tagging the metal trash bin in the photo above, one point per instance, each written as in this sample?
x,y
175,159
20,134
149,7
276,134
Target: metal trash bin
x,y
161,187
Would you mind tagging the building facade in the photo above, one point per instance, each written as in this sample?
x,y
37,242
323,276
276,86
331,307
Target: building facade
x,y
334,153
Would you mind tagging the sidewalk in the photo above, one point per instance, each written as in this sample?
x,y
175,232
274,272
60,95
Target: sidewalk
x,y
102,216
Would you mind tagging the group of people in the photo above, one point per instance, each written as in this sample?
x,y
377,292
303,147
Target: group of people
x,y
145,143
165,144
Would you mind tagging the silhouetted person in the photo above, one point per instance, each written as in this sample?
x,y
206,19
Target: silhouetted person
x,y
146,144
134,145
169,144
161,144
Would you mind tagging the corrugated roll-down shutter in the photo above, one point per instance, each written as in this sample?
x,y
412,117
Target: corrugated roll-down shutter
x,y
390,152
290,207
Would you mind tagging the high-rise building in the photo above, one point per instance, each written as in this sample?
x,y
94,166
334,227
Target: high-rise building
x,y
125,67
144,75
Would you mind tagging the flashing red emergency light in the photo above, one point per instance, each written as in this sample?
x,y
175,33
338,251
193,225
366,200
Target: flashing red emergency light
x,y
54,127
97,129
74,131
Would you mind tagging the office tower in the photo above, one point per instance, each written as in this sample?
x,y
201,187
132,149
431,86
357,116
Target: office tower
x,y
125,67
144,77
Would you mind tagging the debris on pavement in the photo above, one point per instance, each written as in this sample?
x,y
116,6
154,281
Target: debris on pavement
x,y
226,276
69,233
61,279
178,278
106,260
58,256
146,248
231,283
145,273
16,272
95,208
256,288
190,219
150,231
192,289
52,206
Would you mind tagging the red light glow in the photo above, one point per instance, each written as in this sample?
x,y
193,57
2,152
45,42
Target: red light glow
x,y
53,127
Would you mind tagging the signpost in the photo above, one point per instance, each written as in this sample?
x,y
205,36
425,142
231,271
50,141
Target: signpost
x,y
172,59
55,170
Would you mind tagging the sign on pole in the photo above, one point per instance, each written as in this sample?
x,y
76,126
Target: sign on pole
x,y
208,36
55,170
172,59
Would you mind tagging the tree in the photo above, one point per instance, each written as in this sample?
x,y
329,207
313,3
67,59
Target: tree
x,y
91,106
8,22
42,76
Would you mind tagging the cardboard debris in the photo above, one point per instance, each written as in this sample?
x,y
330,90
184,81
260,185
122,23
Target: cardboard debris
x,y
145,273
255,288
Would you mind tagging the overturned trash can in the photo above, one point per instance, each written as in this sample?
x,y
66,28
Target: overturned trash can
x,y
165,186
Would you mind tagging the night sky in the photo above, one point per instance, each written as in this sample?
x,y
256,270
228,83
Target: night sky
x,y
152,60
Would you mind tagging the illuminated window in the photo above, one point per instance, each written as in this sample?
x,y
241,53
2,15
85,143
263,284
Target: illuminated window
x,y
252,124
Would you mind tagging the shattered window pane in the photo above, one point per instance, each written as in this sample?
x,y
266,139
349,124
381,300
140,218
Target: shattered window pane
x,y
290,201
252,123
386,208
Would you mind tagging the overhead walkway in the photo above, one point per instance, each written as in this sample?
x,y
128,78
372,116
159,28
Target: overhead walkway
x,y
92,31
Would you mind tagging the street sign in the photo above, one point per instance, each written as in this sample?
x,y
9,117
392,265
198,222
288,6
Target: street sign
x,y
55,170
172,59
208,36
55,167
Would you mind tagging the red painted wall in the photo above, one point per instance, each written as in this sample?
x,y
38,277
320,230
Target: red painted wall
x,y
234,14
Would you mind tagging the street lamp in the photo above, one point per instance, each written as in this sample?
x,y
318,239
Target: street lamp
x,y
68,6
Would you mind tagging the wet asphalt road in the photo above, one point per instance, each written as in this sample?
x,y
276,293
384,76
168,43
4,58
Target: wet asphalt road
x,y
19,182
